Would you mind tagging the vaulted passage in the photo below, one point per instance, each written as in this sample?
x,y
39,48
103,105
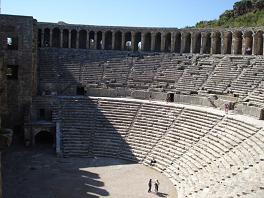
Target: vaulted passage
x,y
65,40
238,43
227,43
108,40
44,138
56,37
147,41
137,44
248,40
128,41
258,43
73,38
82,39
178,43
99,40
196,43
206,48
186,43
39,37
216,46
158,42
47,37
118,41
167,42
91,40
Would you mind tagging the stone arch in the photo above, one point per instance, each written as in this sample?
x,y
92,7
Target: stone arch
x,y
91,40
207,43
147,42
167,47
73,38
216,43
108,40
196,42
248,40
118,40
237,42
178,42
47,37
128,43
228,42
65,41
158,42
99,41
187,42
137,43
56,37
82,39
258,43
44,137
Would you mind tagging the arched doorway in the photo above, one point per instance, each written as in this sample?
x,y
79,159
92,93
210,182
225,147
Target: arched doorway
x,y
44,138
237,43
187,43
167,42
206,48
108,40
118,40
216,47
73,38
178,42
128,41
65,38
91,40
158,42
258,43
248,43
56,37
147,42
227,42
196,43
99,40
82,39
39,37
47,37
137,43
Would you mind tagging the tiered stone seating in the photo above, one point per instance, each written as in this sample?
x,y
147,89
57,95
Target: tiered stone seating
x,y
77,125
113,121
143,72
151,123
224,73
249,79
256,97
230,148
195,75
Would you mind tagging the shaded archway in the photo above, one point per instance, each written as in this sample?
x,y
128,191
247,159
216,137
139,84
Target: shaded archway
x,y
47,37
118,40
178,42
56,37
82,39
167,42
158,42
147,42
137,43
216,43
108,40
99,40
73,38
237,42
39,37
44,138
196,43
227,42
186,42
127,41
206,48
258,43
91,40
248,40
65,41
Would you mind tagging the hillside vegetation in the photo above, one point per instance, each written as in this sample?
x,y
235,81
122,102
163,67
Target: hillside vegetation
x,y
245,13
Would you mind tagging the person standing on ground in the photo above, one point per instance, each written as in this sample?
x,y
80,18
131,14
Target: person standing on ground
x,y
150,185
157,186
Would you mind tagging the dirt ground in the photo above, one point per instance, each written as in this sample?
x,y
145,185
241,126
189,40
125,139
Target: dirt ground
x,y
38,173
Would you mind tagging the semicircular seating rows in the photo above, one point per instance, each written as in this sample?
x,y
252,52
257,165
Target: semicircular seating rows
x,y
204,152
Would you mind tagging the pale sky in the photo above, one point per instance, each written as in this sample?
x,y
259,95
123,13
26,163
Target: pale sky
x,y
142,13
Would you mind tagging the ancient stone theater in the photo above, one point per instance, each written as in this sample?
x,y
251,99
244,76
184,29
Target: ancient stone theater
x,y
188,103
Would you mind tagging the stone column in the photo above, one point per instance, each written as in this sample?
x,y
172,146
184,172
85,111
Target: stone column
x,y
203,42
233,44
69,39
223,43
213,43
88,40
153,41
243,43
253,43
50,44
42,38
95,40
103,40
173,34
113,40
133,41
123,41
142,41
77,39
193,42
183,38
61,38
162,45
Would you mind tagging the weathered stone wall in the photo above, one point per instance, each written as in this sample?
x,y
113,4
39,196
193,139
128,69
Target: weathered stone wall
x,y
21,53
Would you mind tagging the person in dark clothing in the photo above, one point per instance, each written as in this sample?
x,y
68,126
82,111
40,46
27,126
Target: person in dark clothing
x,y
157,186
150,185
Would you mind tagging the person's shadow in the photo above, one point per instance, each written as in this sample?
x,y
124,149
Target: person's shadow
x,y
160,194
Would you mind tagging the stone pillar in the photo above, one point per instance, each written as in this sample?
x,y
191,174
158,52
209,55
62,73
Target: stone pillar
x,y
213,43
253,43
123,41
77,39
88,40
95,40
153,41
193,42
183,38
223,43
203,42
61,38
42,38
133,41
69,41
233,44
173,34
243,44
50,44
103,40
113,40
162,45
142,41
